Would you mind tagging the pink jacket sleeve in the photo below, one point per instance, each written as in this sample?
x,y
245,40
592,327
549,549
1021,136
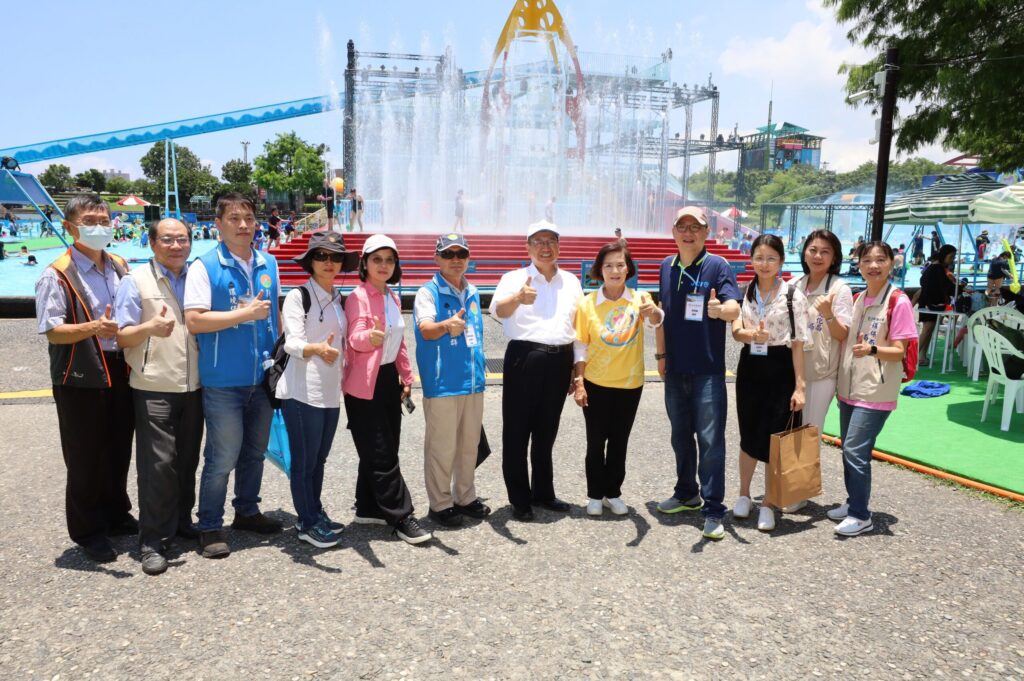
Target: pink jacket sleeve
x,y
359,315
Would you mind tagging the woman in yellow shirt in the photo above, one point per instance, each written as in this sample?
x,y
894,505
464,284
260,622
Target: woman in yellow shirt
x,y
609,374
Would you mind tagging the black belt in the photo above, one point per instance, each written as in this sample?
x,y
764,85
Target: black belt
x,y
543,347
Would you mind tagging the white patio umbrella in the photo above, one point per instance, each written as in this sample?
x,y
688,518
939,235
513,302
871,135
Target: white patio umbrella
x,y
1003,206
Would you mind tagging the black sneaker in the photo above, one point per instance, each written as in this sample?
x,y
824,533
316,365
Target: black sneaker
x,y
449,517
257,522
409,530
476,509
331,525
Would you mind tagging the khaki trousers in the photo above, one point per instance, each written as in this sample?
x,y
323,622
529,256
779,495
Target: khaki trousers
x,y
450,448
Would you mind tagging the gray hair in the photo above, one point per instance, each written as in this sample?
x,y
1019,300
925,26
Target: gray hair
x,y
84,202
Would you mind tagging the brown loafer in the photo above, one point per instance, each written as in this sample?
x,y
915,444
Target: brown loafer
x,y
214,544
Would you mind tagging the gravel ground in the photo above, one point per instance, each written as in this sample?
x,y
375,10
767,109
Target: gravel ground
x,y
934,592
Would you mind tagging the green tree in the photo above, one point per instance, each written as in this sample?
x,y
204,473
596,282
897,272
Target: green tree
x,y
146,189
92,178
56,177
119,185
193,177
290,164
902,175
236,171
961,71
725,186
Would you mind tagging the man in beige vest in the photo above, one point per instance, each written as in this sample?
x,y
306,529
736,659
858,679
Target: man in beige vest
x,y
163,357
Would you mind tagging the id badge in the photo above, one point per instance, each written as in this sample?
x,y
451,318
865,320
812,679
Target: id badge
x,y
759,349
470,333
694,310
244,300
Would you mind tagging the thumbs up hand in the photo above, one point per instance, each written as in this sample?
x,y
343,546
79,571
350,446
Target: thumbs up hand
x,y
714,306
327,352
105,327
161,325
377,333
860,348
647,307
527,294
823,305
760,333
258,308
457,324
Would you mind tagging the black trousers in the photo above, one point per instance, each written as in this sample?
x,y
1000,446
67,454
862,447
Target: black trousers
x,y
96,427
168,432
536,383
609,416
376,426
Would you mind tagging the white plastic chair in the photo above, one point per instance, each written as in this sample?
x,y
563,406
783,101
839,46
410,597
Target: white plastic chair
x,y
1005,315
996,348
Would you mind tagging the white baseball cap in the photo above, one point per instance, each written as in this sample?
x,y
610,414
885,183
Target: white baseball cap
x,y
542,226
377,242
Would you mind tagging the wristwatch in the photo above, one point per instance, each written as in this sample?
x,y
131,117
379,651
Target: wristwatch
x,y
874,349
659,355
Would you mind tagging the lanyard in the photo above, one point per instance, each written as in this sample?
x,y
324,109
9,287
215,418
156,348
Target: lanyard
x,y
762,303
682,271
330,303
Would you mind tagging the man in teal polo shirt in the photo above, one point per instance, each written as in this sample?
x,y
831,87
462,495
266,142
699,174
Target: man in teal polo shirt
x,y
699,297
450,360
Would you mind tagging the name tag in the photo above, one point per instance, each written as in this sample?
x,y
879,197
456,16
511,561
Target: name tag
x,y
759,349
694,310
470,334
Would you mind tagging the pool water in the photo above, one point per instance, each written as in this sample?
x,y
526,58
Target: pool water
x,y
18,280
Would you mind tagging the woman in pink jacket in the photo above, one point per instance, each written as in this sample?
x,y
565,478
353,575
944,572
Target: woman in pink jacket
x,y
377,379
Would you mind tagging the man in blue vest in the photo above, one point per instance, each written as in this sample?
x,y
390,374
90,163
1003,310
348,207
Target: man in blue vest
x,y
231,306
450,359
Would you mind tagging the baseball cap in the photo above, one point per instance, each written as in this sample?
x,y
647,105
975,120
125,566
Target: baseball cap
x,y
446,241
377,242
542,226
694,212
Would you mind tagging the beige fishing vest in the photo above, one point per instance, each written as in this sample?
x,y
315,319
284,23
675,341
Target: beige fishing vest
x,y
168,365
821,352
869,379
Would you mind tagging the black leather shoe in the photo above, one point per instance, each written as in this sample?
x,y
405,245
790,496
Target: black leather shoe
x,y
476,509
189,531
554,504
449,517
152,562
257,522
524,515
100,551
123,527
214,544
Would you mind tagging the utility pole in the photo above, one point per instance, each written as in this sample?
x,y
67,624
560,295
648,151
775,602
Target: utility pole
x,y
891,71
348,133
245,152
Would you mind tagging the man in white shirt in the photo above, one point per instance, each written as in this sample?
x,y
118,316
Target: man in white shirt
x,y
537,306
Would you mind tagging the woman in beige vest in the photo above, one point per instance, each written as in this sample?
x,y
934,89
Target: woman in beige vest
x,y
829,310
870,372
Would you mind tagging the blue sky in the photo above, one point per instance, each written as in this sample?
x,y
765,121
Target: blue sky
x,y
78,68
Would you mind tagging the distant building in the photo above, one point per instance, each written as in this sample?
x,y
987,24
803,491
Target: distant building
x,y
111,174
780,147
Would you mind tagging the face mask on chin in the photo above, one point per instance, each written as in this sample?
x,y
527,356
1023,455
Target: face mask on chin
x,y
95,237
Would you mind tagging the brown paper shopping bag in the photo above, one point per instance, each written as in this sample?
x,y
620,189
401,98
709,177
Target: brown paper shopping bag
x,y
794,467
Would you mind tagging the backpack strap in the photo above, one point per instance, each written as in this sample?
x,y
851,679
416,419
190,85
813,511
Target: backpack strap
x,y
789,306
306,302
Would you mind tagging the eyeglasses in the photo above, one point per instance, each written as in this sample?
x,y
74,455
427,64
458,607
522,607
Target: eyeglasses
x,y
770,260
174,240
692,227
449,254
544,243
322,256
94,222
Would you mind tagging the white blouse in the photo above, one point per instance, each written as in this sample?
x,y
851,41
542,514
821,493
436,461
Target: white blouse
x,y
394,329
776,314
311,380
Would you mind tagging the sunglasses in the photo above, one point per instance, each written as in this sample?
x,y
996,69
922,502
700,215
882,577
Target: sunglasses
x,y
449,254
321,256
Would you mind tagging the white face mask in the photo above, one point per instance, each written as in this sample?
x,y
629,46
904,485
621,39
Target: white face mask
x,y
95,237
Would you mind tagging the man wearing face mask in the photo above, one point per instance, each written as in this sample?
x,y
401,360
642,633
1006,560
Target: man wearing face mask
x,y
74,296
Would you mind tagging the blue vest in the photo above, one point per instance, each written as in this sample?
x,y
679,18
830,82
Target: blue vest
x,y
448,368
233,357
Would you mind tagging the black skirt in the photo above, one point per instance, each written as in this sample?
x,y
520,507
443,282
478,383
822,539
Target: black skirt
x,y
764,386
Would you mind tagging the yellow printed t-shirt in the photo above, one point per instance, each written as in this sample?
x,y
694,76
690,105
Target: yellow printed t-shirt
x,y
613,332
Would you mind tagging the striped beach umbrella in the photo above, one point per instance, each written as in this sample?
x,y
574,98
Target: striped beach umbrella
x,y
948,200
1003,206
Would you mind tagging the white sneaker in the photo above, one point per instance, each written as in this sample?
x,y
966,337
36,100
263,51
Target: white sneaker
x,y
617,505
838,513
594,507
793,508
369,520
851,527
742,508
713,529
766,519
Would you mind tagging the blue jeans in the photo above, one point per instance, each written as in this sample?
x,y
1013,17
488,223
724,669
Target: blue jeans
x,y
310,435
237,432
858,428
696,405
